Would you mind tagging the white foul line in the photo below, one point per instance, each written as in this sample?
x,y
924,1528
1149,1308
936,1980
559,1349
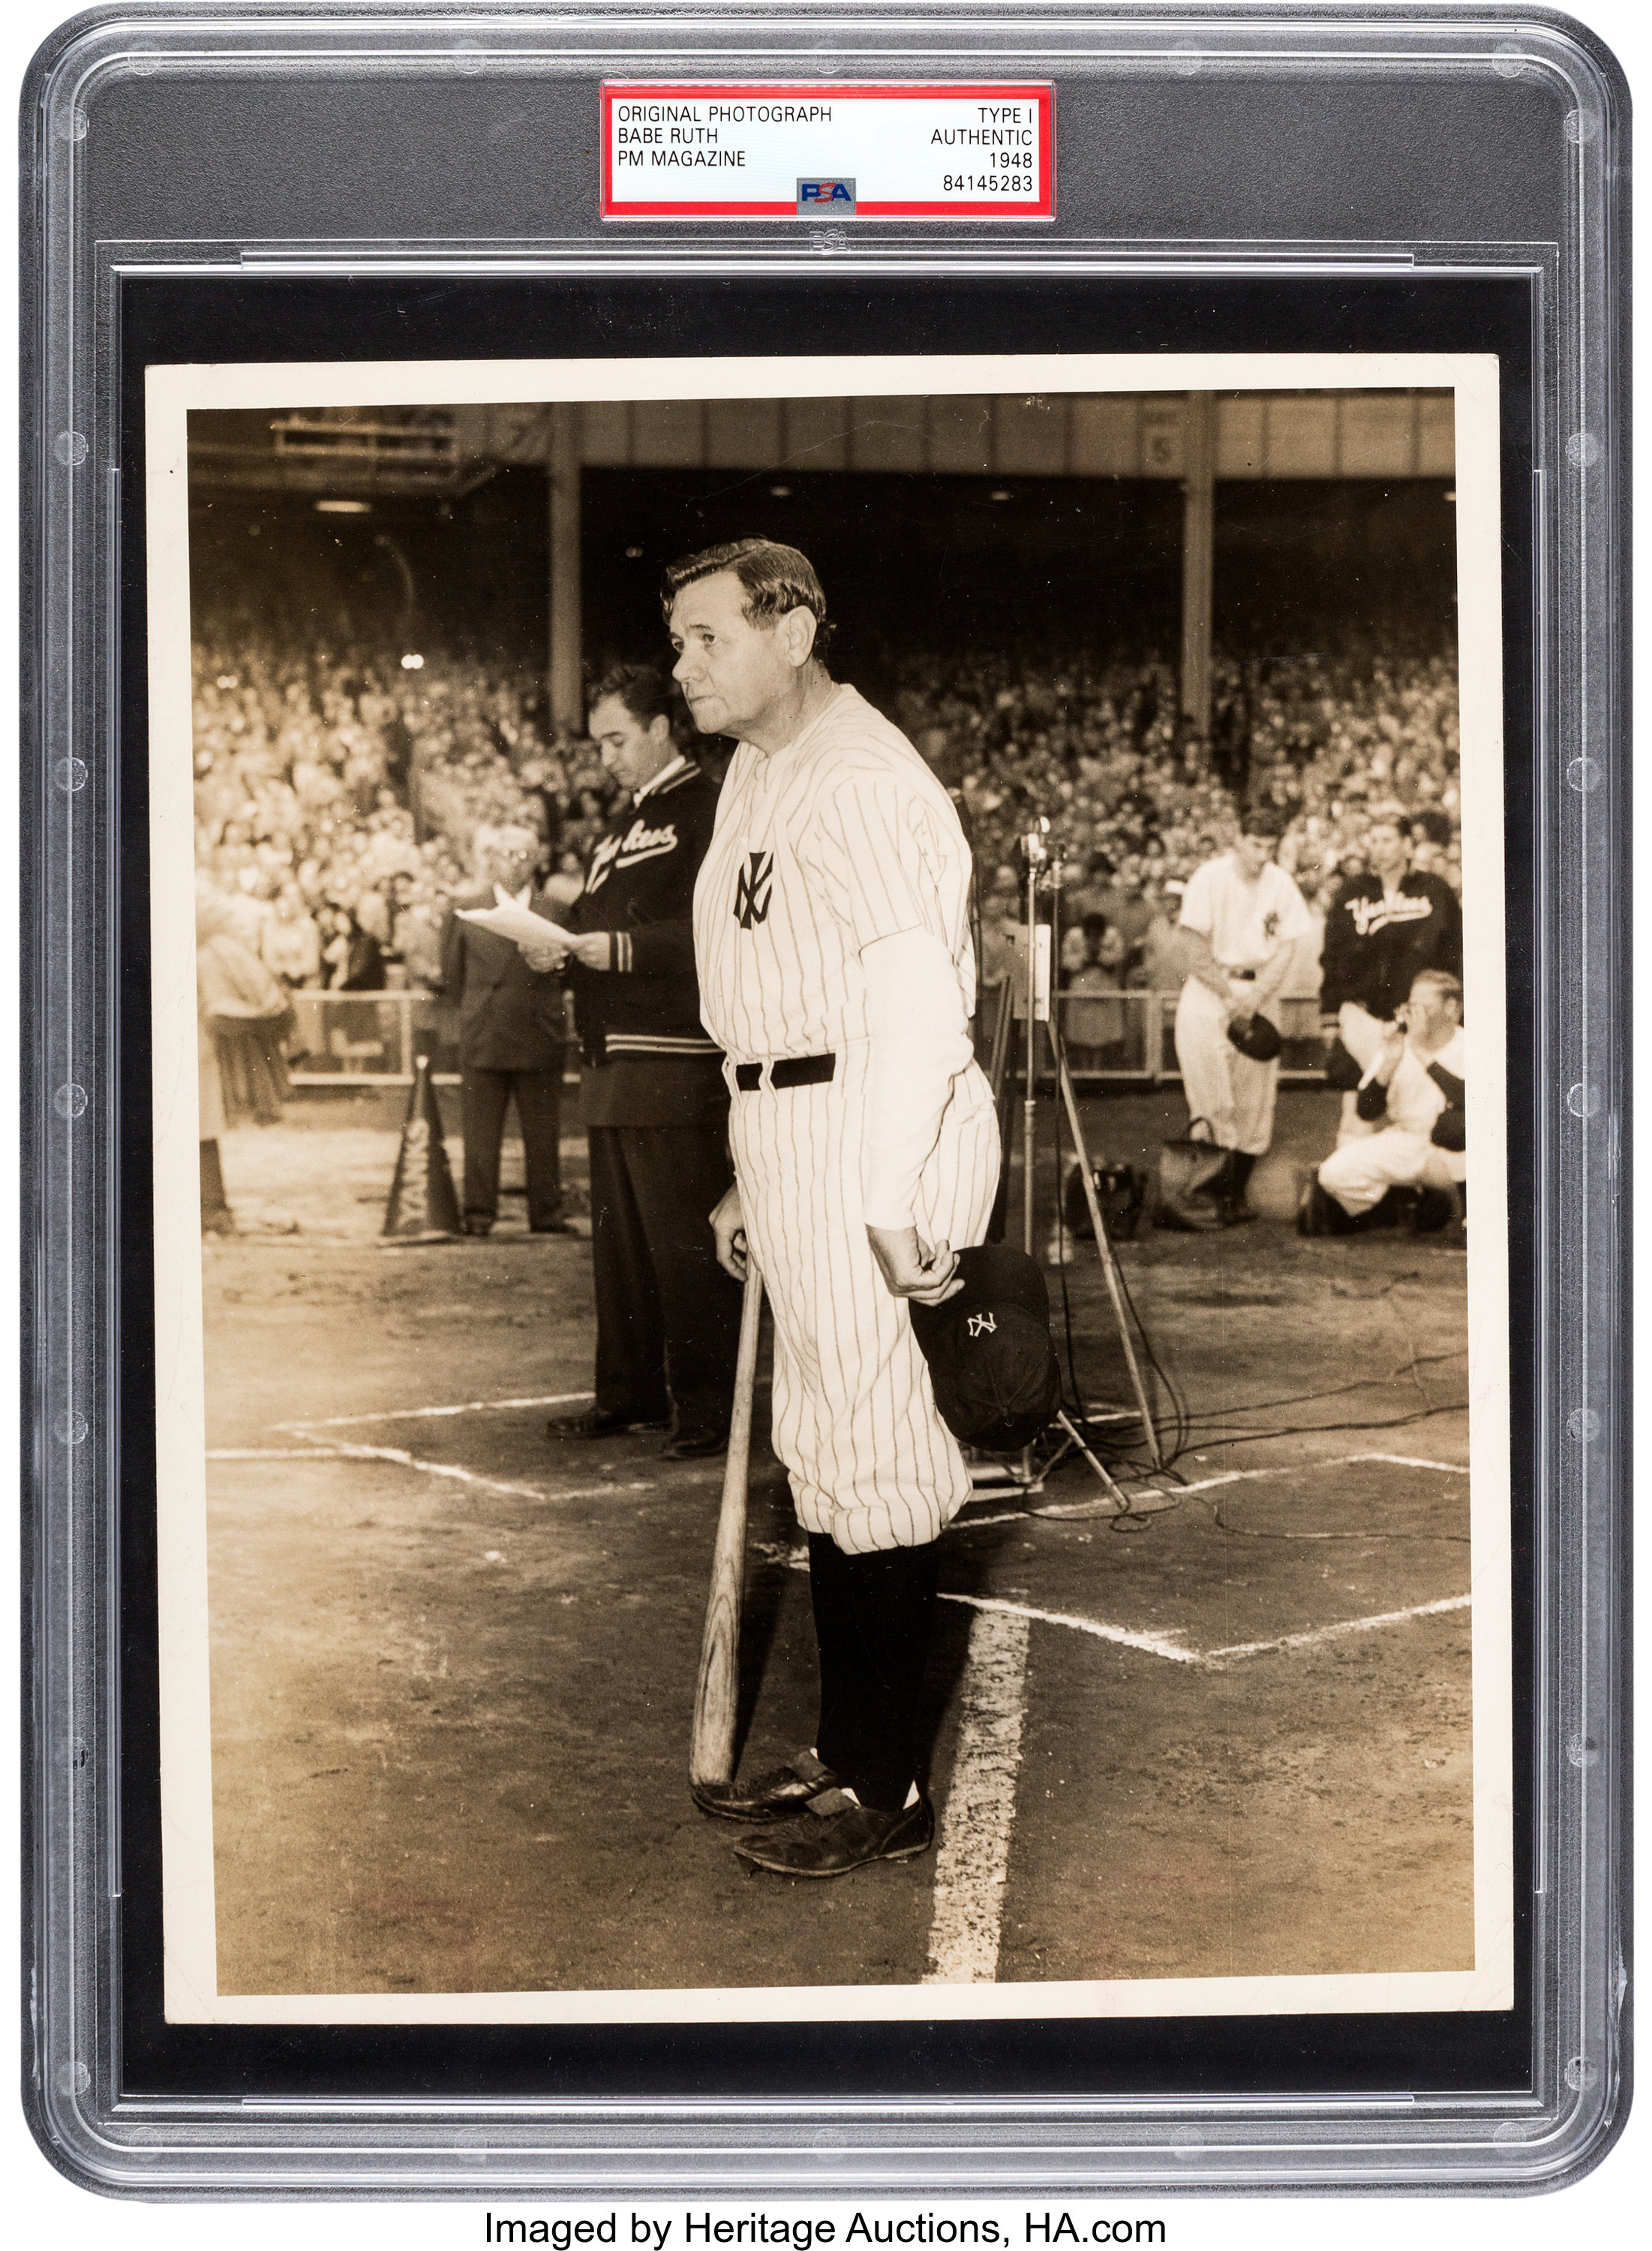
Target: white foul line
x,y
1344,1626
344,1452
276,1454
1301,1469
1230,1476
796,1559
1154,1644
1415,1462
972,1862
406,1414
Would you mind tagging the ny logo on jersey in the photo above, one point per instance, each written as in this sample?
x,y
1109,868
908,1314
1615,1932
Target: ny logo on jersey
x,y
979,1321
753,890
1270,925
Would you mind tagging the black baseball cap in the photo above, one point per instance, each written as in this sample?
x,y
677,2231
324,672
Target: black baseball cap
x,y
998,1382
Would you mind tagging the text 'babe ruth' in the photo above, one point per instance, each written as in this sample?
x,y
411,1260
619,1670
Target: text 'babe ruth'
x,y
832,938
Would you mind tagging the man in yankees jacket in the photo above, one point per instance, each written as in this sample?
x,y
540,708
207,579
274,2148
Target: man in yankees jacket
x,y
1387,927
656,1107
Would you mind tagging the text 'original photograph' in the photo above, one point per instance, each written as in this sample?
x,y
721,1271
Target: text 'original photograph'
x,y
831,1227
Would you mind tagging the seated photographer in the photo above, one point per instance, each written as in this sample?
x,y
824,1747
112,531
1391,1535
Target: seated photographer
x,y
1411,1096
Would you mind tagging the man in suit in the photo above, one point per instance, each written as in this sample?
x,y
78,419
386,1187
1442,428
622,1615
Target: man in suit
x,y
511,1037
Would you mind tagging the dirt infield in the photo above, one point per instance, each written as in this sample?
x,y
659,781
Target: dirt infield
x,y
453,1664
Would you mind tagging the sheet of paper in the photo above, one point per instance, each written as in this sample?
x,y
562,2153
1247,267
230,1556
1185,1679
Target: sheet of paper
x,y
519,925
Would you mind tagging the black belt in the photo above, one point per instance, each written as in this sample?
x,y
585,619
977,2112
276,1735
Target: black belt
x,y
1249,975
789,1071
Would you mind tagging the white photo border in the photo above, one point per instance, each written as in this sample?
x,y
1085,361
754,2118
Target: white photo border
x,y
172,392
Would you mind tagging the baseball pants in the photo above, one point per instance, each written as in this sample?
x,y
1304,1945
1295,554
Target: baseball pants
x,y
1360,1173
484,1098
872,1617
667,1316
872,1463
1234,1095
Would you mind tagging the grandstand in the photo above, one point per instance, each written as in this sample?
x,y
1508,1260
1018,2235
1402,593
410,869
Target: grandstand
x,y
1126,612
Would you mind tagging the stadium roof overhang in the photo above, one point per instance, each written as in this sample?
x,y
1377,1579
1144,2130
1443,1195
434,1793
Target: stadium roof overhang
x,y
446,452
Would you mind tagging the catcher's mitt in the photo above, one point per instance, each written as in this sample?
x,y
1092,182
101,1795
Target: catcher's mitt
x,y
1258,1038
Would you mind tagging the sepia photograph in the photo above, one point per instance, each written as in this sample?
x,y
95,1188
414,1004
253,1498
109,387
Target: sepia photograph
x,y
831,1234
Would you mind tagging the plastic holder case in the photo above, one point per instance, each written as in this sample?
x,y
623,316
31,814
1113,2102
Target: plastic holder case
x,y
465,221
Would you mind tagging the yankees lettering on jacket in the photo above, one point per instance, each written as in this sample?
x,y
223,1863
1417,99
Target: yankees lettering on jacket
x,y
1377,943
637,842
639,888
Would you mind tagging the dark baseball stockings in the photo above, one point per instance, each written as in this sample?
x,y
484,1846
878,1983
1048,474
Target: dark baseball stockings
x,y
872,1617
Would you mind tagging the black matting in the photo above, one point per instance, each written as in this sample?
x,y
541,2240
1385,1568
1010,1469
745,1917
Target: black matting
x,y
238,318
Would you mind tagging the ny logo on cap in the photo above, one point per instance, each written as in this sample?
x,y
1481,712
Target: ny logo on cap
x,y
979,1321
753,890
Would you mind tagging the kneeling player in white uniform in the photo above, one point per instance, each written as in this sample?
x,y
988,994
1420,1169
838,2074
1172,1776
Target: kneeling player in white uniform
x,y
1241,917
836,971
1411,1096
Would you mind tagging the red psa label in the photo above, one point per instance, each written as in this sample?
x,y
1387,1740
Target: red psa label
x,y
822,150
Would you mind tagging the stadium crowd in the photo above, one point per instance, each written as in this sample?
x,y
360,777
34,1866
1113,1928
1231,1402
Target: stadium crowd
x,y
337,797
338,794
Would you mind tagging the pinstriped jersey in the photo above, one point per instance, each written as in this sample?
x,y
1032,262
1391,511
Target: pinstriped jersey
x,y
842,838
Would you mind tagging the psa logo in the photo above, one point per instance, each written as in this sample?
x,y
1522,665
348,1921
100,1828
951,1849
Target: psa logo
x,y
826,198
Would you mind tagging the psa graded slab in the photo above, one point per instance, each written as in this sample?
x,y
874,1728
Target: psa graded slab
x,y
827,1055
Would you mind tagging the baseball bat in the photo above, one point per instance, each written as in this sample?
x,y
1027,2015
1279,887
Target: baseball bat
x,y
717,1694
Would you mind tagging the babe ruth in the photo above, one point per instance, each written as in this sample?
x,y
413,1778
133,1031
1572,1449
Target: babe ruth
x,y
1241,917
836,971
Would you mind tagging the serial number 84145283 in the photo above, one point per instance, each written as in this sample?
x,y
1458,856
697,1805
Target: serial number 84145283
x,y
992,183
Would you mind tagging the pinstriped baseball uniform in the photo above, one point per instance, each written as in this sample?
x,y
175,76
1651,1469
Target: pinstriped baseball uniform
x,y
1245,924
841,838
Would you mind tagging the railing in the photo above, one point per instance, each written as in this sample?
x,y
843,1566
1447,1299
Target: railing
x,y
357,1039
371,1039
1129,1038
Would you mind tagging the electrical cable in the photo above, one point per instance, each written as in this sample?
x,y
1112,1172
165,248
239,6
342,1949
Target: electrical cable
x,y
1316,1429
1332,1390
1249,1531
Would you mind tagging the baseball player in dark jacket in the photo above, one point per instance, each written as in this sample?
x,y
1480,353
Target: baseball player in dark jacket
x,y
512,1038
1387,927
656,1106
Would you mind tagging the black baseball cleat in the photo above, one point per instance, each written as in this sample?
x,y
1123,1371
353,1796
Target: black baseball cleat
x,y
551,1227
835,1835
770,1797
1318,1211
696,1442
595,1423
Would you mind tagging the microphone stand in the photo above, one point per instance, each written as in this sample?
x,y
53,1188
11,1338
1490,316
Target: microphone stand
x,y
1048,874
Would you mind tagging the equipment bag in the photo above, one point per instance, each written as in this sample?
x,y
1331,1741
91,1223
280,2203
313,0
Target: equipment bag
x,y
1120,1190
